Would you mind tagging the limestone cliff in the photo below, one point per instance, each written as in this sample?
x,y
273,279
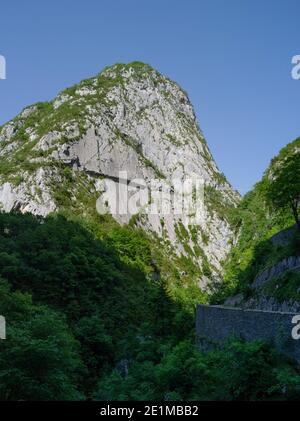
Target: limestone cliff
x,y
128,118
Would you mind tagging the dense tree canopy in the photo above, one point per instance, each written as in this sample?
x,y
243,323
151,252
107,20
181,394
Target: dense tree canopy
x,y
283,188
85,319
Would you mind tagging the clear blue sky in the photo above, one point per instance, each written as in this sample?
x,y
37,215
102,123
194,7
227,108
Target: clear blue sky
x,y
233,57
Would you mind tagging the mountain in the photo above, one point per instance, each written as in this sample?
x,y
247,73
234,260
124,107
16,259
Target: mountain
x,y
101,306
262,270
57,156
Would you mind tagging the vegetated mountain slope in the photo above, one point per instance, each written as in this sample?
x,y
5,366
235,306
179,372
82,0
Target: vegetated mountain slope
x,y
128,118
85,321
264,265
101,310
76,306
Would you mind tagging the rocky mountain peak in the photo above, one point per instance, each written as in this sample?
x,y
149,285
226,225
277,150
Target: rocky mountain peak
x,y
129,119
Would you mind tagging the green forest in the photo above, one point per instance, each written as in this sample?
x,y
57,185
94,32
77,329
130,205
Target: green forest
x,y
86,321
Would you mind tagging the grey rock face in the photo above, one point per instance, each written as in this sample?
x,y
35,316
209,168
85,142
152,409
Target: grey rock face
x,y
284,237
33,197
129,118
290,263
260,300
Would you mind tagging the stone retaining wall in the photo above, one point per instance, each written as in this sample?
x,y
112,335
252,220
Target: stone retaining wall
x,y
214,324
